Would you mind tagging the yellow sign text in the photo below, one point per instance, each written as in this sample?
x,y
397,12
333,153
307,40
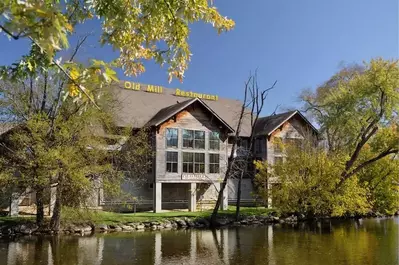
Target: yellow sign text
x,y
159,90
191,94
140,87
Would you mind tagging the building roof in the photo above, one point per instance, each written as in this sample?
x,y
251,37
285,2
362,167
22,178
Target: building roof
x,y
138,108
166,113
267,125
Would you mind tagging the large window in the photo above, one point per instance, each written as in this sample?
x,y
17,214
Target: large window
x,y
214,143
214,163
171,161
194,139
193,162
172,137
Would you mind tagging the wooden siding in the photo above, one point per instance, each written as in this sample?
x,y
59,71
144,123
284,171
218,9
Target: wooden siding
x,y
292,129
193,118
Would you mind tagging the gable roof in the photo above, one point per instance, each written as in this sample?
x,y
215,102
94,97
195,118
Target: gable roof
x,y
267,125
137,108
166,113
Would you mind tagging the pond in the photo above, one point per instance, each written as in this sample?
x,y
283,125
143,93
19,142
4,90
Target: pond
x,y
363,242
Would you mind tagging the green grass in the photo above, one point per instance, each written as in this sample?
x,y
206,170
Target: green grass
x,y
102,217
79,216
6,220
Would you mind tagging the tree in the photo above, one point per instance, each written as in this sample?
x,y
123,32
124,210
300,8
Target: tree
x,y
237,166
358,111
63,152
139,30
382,180
255,104
304,183
62,143
230,162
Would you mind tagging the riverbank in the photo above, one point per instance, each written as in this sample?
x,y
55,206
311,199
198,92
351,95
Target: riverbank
x,y
85,221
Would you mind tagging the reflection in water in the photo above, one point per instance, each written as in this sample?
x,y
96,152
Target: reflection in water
x,y
371,241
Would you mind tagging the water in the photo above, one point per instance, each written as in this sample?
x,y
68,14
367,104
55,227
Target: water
x,y
367,242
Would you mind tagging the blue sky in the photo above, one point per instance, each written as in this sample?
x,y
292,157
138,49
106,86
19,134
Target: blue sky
x,y
298,43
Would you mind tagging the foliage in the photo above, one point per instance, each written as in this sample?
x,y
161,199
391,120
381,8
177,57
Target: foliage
x,y
382,178
139,30
63,144
304,183
357,110
63,152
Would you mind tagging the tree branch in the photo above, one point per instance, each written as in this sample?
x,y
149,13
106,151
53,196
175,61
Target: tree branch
x,y
43,105
80,87
15,37
366,163
78,45
367,133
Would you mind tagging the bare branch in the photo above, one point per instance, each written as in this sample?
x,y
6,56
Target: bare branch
x,y
78,45
15,37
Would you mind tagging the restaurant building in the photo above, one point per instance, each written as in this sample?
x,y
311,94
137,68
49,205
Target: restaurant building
x,y
192,135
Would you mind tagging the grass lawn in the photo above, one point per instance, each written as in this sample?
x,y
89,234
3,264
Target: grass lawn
x,y
102,217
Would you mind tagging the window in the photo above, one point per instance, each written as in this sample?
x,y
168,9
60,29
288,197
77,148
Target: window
x,y
214,142
171,161
188,138
193,162
199,163
214,163
188,162
194,139
199,140
278,160
172,137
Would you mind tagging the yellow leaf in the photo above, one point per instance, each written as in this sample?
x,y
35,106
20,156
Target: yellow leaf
x,y
74,74
69,27
73,90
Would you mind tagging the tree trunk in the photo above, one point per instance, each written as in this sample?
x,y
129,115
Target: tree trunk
x,y
56,218
221,191
238,203
266,187
39,207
